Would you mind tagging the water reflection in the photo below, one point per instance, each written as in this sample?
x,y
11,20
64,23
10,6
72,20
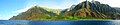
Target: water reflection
x,y
13,22
60,22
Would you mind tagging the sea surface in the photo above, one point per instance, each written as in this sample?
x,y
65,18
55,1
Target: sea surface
x,y
59,22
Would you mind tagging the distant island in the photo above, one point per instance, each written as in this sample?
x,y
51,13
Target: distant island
x,y
84,10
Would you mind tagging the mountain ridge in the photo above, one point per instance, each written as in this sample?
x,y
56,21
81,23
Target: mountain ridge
x,y
84,10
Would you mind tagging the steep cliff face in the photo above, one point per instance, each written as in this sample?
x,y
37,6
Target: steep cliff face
x,y
34,13
84,10
96,10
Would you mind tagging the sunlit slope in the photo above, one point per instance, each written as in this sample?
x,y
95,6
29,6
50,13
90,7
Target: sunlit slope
x,y
85,10
34,13
95,10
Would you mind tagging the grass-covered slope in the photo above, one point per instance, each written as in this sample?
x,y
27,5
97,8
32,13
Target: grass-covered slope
x,y
85,10
34,13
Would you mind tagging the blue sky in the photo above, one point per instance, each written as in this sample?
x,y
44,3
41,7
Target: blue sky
x,y
9,8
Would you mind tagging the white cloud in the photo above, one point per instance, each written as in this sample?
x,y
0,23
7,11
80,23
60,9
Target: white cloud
x,y
7,17
1,18
27,6
112,3
24,9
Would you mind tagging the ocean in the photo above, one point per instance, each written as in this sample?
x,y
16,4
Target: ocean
x,y
59,22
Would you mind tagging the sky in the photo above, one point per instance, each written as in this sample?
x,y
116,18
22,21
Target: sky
x,y
10,8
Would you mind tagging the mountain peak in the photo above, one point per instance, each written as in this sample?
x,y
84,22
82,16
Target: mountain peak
x,y
33,14
84,10
96,9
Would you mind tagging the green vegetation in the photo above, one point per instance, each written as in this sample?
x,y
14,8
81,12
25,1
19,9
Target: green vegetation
x,y
63,17
82,11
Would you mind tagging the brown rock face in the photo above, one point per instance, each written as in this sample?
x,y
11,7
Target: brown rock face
x,y
84,9
34,13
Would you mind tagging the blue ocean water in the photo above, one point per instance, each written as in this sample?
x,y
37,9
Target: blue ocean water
x,y
60,22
